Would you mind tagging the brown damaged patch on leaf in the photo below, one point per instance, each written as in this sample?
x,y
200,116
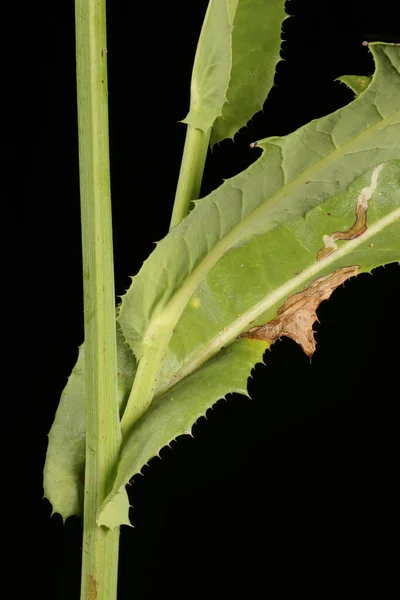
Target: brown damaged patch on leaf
x,y
92,589
297,316
360,224
359,227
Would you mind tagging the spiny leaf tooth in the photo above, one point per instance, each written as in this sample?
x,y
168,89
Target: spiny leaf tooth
x,y
64,516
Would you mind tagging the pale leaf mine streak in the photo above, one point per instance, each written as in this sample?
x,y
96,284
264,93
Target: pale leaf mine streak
x,y
227,335
360,224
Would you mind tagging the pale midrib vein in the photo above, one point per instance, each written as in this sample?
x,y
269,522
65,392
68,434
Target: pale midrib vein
x,y
241,323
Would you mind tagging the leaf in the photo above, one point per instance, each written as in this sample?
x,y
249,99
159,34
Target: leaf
x,y
212,65
256,40
235,64
65,460
251,282
357,83
263,281
293,174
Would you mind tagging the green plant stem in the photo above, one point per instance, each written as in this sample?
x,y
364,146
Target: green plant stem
x,y
191,173
100,545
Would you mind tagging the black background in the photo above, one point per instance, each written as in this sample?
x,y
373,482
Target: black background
x,y
290,492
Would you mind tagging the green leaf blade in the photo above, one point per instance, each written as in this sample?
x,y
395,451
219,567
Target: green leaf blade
x,y
250,282
64,469
212,65
246,288
235,64
256,41
294,174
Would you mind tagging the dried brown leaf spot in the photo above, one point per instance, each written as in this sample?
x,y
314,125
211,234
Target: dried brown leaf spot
x,y
297,316
92,587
